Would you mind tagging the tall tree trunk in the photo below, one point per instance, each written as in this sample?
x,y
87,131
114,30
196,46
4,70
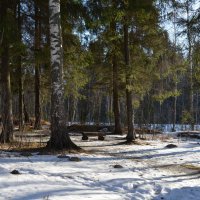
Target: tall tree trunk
x,y
26,115
37,124
7,118
110,108
59,137
174,111
118,129
20,74
190,69
130,135
176,85
6,100
74,102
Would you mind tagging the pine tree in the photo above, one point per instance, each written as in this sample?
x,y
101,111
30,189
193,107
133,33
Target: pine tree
x,y
186,22
20,74
6,99
37,124
129,107
115,69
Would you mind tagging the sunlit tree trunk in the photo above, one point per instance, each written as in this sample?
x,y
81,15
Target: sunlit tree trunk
x,y
59,137
190,60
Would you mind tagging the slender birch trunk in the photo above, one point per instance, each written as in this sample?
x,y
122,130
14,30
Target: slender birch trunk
x,y
59,137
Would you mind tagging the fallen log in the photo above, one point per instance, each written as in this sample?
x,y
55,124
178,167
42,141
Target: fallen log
x,y
147,131
189,134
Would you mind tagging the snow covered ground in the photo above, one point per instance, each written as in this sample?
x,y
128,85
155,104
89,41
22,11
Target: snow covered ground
x,y
150,172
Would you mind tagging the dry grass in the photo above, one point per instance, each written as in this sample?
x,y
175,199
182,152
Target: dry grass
x,y
191,166
21,146
162,137
134,142
35,147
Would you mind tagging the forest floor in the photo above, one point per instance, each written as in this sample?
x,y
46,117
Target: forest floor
x,y
146,170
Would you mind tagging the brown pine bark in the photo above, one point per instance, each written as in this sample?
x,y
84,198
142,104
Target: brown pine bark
x,y
129,108
26,115
37,124
118,129
115,77
20,74
6,100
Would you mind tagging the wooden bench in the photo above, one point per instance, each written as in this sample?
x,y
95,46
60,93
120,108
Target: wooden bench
x,y
100,135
